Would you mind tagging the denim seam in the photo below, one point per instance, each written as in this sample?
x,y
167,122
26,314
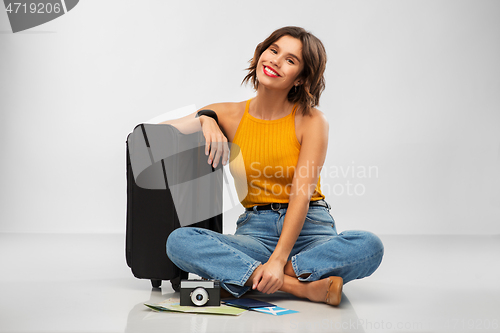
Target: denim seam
x,y
296,268
249,273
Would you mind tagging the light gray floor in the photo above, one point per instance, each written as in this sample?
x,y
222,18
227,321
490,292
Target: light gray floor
x,y
81,283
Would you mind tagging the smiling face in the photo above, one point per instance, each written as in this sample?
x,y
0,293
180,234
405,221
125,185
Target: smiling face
x,y
280,65
290,56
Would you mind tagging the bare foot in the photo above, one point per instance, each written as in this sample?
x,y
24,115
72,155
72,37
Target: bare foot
x,y
327,290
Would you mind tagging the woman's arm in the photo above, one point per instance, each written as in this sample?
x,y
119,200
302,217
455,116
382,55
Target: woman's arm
x,y
311,158
187,124
216,142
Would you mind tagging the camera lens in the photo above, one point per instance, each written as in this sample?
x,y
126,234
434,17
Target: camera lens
x,y
199,296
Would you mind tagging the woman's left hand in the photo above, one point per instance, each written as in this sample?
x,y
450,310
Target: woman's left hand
x,y
268,277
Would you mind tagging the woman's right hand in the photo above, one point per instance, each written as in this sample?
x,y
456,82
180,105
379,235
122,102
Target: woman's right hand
x,y
215,141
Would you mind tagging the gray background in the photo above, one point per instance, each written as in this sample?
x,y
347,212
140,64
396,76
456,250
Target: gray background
x,y
412,90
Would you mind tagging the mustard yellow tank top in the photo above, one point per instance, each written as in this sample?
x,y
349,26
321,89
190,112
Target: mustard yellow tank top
x,y
264,170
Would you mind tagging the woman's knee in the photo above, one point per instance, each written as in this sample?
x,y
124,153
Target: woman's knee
x,y
177,241
374,243
365,241
373,251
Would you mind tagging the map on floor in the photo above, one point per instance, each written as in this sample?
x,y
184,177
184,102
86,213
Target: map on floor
x,y
173,305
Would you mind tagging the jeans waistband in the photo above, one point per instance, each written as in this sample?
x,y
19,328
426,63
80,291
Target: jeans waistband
x,y
275,206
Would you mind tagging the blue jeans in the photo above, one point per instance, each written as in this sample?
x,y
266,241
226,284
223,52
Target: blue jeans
x,y
319,251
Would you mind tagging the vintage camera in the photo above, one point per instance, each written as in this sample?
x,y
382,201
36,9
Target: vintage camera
x,y
200,293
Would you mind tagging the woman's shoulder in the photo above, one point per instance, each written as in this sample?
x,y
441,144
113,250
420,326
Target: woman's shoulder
x,y
314,122
315,115
317,122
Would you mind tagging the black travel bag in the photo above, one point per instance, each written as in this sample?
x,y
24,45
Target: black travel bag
x,y
165,160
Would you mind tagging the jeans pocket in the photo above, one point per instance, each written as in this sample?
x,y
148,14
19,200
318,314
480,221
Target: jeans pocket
x,y
320,215
243,218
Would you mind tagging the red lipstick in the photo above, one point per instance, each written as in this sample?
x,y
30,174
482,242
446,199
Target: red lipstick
x,y
270,72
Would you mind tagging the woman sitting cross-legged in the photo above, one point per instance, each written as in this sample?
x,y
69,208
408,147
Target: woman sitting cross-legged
x,y
286,238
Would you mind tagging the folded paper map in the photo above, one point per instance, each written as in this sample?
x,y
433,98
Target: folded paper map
x,y
172,305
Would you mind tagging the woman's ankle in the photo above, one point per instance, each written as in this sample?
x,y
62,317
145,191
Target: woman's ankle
x,y
292,285
289,269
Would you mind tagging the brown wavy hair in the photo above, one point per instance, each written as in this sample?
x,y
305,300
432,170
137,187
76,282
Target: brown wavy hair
x,y
314,56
